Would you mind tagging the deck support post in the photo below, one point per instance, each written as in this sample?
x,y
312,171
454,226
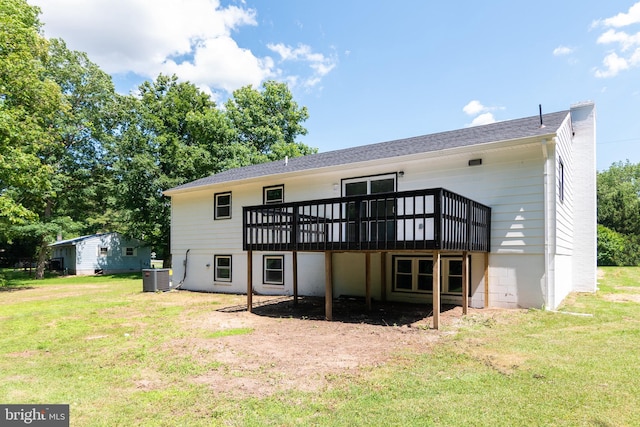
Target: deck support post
x,y
328,285
367,280
295,277
383,276
486,280
465,282
436,290
249,281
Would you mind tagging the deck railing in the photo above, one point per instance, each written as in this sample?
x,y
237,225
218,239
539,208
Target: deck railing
x,y
427,219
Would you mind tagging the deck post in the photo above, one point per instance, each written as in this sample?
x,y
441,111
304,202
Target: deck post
x,y
465,282
249,281
295,277
436,290
486,280
383,276
367,280
328,285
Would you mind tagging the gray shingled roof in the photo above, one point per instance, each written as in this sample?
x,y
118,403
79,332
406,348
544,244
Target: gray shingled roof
x,y
500,131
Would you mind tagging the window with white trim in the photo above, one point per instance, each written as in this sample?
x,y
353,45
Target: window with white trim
x,y
375,227
222,206
273,269
103,251
415,274
273,194
222,268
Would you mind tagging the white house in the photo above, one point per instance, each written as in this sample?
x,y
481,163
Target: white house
x,y
508,208
106,253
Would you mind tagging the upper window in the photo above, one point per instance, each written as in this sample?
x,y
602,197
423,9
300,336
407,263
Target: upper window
x,y
223,268
273,269
379,210
222,208
102,251
274,194
369,185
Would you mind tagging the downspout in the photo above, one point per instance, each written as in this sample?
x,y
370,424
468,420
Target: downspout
x,y
184,263
549,269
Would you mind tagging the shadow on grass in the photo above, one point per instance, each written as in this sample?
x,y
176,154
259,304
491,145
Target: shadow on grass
x,y
13,288
346,310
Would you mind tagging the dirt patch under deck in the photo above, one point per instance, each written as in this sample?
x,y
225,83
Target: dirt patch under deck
x,y
293,347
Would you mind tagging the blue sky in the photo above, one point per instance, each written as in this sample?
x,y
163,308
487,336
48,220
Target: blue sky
x,y
371,71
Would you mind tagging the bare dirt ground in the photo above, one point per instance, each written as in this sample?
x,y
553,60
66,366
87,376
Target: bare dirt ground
x,y
293,347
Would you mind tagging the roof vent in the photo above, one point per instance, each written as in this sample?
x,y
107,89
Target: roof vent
x,y
541,123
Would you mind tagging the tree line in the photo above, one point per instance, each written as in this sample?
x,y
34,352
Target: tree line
x,y
78,158
618,191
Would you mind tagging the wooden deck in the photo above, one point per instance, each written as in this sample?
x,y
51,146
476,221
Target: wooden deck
x,y
429,219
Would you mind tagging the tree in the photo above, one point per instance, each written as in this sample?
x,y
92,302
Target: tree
x,y
268,122
29,103
55,104
170,134
173,133
618,190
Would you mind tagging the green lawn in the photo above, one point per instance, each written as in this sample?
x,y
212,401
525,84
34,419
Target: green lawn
x,y
85,341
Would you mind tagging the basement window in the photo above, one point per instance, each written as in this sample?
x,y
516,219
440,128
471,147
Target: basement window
x,y
273,269
415,274
223,268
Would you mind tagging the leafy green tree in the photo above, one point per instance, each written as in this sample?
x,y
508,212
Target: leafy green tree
x,y
268,122
616,249
173,133
30,105
82,158
618,190
169,134
55,101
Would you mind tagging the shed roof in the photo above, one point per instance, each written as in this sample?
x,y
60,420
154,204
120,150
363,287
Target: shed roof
x,y
501,131
78,239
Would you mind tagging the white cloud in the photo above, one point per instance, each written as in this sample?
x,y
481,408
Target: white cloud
x,y
483,119
193,39
562,51
613,65
474,107
621,19
625,40
484,114
320,64
626,51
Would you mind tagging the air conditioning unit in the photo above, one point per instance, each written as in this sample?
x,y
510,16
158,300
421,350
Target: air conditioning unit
x,y
156,279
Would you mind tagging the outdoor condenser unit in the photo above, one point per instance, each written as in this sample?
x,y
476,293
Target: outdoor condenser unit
x,y
156,279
